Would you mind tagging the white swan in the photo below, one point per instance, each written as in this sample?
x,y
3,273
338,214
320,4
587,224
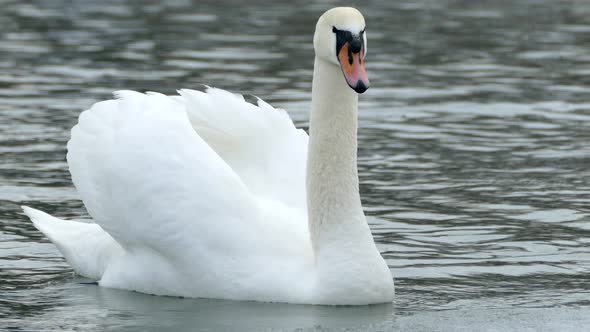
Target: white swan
x,y
206,195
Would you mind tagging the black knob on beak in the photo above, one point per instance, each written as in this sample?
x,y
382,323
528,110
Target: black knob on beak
x,y
356,44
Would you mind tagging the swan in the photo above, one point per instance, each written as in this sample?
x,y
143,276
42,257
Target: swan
x,y
205,195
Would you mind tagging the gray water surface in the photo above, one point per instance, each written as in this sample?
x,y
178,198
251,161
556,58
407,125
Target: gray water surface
x,y
474,152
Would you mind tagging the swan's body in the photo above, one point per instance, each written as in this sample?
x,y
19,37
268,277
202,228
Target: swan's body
x,y
205,195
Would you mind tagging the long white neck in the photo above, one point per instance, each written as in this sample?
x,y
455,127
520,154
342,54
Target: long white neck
x,y
334,205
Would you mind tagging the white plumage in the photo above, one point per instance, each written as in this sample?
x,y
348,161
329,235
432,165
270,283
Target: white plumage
x,y
204,195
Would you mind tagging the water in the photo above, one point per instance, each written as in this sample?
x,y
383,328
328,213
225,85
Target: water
x,y
473,152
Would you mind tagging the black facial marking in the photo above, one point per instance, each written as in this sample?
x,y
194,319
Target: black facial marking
x,y
356,41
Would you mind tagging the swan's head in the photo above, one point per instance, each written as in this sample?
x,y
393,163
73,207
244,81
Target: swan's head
x,y
340,39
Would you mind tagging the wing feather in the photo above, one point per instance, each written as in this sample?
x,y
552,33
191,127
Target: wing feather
x,y
260,143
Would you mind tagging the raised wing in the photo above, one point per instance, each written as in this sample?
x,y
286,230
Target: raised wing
x,y
260,143
150,181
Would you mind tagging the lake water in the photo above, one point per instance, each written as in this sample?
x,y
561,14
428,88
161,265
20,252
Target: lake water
x,y
474,152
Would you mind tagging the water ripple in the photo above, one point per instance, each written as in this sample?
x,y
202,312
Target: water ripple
x,y
473,140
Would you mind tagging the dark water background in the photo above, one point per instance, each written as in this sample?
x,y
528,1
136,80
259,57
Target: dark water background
x,y
474,152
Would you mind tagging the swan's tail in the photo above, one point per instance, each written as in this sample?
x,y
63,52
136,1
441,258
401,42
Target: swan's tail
x,y
86,246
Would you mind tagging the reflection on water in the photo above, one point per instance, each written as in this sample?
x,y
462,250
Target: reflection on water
x,y
473,146
108,309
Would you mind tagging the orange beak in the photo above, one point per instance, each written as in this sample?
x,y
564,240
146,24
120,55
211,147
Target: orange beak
x,y
353,67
